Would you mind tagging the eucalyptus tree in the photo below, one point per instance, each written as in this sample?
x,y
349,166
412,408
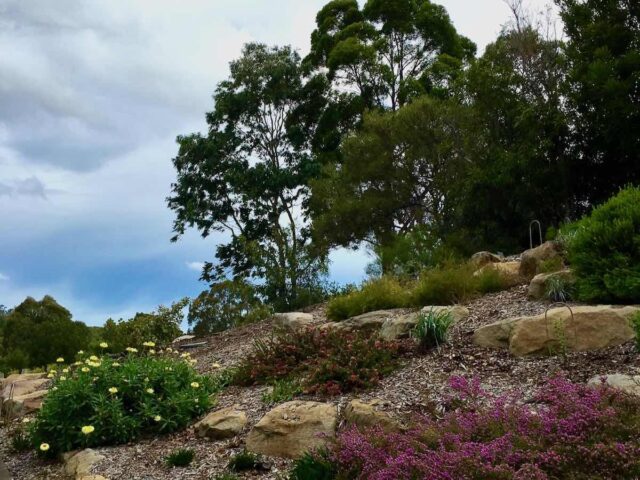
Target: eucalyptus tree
x,y
247,178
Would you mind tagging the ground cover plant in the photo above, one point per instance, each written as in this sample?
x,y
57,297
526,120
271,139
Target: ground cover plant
x,y
324,361
432,328
102,401
181,457
568,431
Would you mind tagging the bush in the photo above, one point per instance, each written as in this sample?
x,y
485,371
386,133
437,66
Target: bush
x,y
106,402
571,431
282,391
325,361
559,289
604,250
180,458
432,328
446,285
490,280
315,466
385,292
244,461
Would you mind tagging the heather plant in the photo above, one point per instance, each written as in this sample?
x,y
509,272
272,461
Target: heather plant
x,y
568,431
432,328
102,401
324,361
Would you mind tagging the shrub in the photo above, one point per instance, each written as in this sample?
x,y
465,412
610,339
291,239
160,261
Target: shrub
x,y
559,289
104,402
282,391
315,466
603,250
635,324
244,460
432,328
550,265
20,440
571,431
180,458
385,292
490,280
327,362
446,285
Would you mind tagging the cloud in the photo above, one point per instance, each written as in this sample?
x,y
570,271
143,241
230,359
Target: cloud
x,y
195,266
31,186
3,277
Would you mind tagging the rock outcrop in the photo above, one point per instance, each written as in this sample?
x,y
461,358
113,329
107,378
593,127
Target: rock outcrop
x,y
510,272
78,464
532,259
591,328
293,428
24,404
22,391
366,415
627,383
401,327
540,283
225,423
481,259
293,320
367,322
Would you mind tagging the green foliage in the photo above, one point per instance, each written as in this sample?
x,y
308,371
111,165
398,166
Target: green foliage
x,y
432,328
20,439
225,305
551,265
315,466
445,285
377,294
35,333
243,461
603,251
281,391
635,324
181,457
326,362
559,289
161,327
121,400
247,177
490,280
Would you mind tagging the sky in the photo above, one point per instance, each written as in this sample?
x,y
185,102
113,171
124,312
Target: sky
x,y
92,96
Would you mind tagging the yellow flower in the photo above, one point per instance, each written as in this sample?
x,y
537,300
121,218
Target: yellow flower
x,y
54,388
169,349
152,352
93,358
60,360
132,350
149,344
53,371
63,378
87,429
26,420
149,390
65,370
184,355
157,418
115,364
77,363
195,384
51,375
113,390
86,369
193,361
44,447
104,345
80,352
215,365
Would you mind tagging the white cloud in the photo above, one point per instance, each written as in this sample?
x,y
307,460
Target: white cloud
x,y
195,266
3,277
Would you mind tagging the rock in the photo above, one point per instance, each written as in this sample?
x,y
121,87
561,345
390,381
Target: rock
x,y
540,283
225,423
78,464
183,338
627,383
19,377
532,259
365,415
592,328
19,388
510,271
293,320
24,404
481,259
400,327
370,321
293,428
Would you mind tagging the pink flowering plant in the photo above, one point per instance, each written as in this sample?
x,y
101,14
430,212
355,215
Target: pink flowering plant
x,y
567,431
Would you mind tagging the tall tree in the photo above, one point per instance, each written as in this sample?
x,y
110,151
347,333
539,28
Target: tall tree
x,y
388,51
603,50
248,177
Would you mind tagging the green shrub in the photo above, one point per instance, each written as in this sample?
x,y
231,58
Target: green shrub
x,y
314,466
20,439
325,361
635,324
282,391
551,265
432,328
604,250
105,402
559,289
244,460
446,285
180,458
489,280
379,294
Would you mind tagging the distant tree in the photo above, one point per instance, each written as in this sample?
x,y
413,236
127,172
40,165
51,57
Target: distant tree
x,y
38,332
227,304
603,51
248,177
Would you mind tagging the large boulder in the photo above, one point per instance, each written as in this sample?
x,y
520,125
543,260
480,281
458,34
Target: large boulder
x,y
225,423
78,464
19,377
627,383
293,320
481,259
367,322
510,272
293,428
366,415
401,327
18,388
24,404
592,328
532,259
540,283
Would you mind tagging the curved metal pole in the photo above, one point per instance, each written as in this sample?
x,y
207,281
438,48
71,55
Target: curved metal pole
x,y
573,323
531,232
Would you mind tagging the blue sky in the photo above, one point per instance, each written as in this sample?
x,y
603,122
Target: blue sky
x,y
92,96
